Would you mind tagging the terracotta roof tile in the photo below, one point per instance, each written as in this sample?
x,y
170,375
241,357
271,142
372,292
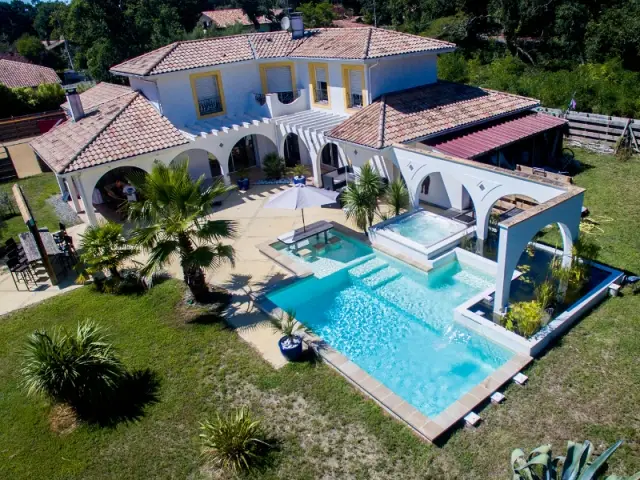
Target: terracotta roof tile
x,y
230,16
101,93
19,74
143,64
120,128
339,43
426,111
203,53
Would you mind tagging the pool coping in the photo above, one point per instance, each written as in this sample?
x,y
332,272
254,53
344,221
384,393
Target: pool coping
x,y
424,426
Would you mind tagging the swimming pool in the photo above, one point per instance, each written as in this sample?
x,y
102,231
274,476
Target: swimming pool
x,y
396,323
331,258
425,228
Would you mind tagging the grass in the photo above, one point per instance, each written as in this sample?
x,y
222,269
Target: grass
x,y
37,189
586,387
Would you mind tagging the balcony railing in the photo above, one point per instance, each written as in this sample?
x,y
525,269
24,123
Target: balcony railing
x,y
321,95
355,100
288,97
209,105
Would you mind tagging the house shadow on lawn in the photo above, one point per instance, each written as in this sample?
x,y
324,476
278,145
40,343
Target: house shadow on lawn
x,y
138,390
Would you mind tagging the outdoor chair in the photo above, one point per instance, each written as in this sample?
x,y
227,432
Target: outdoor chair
x,y
21,258
19,272
12,245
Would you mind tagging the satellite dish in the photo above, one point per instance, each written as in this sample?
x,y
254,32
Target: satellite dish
x,y
285,23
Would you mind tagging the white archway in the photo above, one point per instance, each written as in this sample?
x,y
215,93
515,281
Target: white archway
x,y
294,150
201,162
249,151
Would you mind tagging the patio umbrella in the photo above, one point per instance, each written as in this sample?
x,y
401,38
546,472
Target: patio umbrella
x,y
300,197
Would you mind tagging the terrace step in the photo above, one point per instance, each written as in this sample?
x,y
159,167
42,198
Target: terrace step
x,y
367,268
380,278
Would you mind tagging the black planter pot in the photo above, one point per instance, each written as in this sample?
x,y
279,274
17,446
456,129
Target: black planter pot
x,y
293,351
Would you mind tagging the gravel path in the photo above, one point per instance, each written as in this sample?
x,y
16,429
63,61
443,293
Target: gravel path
x,y
65,213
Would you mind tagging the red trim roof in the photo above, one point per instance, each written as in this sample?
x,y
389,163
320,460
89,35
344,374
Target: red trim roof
x,y
483,140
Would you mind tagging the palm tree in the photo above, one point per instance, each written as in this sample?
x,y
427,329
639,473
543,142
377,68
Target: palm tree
x,y
397,196
105,248
361,197
170,223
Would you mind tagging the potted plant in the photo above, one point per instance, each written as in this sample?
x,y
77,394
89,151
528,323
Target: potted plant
x,y
299,174
290,343
243,179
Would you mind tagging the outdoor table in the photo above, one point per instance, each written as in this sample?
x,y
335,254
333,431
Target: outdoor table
x,y
299,234
31,250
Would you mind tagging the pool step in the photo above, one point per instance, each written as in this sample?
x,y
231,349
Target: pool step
x,y
381,277
368,267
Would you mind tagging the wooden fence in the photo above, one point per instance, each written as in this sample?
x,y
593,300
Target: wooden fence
x,y
25,126
596,128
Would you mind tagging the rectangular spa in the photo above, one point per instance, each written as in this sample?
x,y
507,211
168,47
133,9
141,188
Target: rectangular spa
x,y
396,324
419,235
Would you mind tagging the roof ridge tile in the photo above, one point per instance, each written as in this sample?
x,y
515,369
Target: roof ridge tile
x,y
381,124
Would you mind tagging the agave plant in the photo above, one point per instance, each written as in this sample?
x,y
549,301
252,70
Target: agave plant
x,y
75,368
234,442
576,465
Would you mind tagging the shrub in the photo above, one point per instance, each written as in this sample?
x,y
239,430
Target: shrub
x,y
577,464
273,166
77,368
298,170
397,196
524,318
545,294
235,442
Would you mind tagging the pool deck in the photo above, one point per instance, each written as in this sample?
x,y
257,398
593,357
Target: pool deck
x,y
425,427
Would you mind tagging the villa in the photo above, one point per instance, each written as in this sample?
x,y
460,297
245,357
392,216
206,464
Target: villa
x,y
335,100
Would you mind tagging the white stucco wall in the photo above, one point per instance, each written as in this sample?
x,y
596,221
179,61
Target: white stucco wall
x,y
148,88
402,72
239,80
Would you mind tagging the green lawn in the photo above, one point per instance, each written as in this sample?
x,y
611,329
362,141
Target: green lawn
x,y
37,189
586,387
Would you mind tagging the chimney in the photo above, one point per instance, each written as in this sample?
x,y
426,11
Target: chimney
x,y
297,26
75,104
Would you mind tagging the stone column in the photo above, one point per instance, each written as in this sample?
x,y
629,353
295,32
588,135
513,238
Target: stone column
x,y
88,204
74,194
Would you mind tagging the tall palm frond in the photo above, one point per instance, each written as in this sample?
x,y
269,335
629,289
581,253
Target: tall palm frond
x,y
361,197
105,248
171,223
397,196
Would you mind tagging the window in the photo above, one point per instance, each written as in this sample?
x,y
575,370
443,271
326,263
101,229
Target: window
x,y
207,94
279,78
353,80
319,82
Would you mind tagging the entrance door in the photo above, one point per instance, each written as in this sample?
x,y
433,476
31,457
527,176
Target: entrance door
x,y
291,150
243,154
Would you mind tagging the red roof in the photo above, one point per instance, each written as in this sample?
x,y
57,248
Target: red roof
x,y
19,74
483,140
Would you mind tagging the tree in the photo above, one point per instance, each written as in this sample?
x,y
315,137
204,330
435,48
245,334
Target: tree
x,y
170,224
361,197
16,19
317,14
47,21
397,196
30,48
105,248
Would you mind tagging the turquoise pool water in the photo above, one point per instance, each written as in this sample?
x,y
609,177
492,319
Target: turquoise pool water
x,y
426,228
396,323
331,258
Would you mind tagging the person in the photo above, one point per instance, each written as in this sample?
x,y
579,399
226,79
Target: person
x,y
116,190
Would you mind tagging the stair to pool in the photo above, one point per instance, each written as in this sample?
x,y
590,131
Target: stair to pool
x,y
368,267
374,273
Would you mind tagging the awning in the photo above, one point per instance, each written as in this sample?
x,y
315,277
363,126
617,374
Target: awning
x,y
498,135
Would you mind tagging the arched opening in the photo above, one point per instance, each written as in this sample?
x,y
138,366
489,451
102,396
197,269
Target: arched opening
x,y
445,192
249,151
113,192
295,151
330,156
201,162
505,207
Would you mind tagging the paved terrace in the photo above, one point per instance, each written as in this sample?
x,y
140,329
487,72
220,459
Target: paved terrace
x,y
252,273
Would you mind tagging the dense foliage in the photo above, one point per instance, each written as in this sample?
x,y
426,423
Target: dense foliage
x,y
25,100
